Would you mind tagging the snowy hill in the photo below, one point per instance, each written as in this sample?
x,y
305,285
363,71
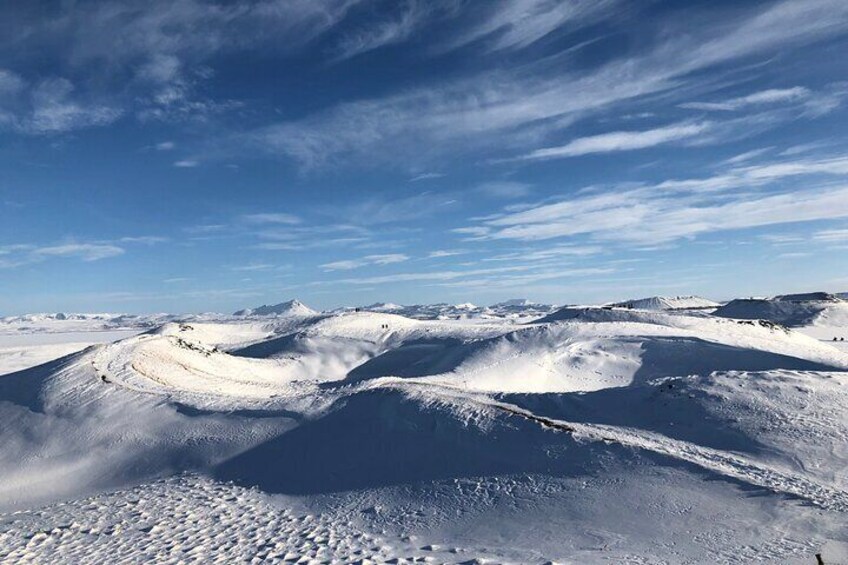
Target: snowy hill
x,y
667,303
793,310
289,308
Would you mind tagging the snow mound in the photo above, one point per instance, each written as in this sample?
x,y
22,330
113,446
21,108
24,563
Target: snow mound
x,y
289,308
793,310
667,303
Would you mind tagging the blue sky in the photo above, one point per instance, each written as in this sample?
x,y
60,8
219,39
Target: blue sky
x,y
198,156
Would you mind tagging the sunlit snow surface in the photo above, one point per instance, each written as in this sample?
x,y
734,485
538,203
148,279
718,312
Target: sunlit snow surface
x,y
581,436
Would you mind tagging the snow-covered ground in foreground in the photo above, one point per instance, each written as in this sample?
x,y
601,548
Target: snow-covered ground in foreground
x,y
589,435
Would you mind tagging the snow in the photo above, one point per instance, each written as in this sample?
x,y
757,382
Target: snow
x,y
668,303
289,308
21,351
516,309
578,436
813,309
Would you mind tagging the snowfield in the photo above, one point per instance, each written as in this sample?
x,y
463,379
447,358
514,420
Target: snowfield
x,y
522,434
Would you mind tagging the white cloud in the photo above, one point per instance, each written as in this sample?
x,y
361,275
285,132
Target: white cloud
x,y
271,218
367,261
523,280
387,210
515,24
746,156
425,276
832,236
84,251
441,253
144,239
474,231
426,176
186,163
636,217
556,252
165,145
376,34
771,96
10,82
252,267
619,141
52,109
676,209
504,189
499,110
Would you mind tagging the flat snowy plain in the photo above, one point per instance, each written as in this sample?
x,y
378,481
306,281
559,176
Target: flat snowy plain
x,y
519,434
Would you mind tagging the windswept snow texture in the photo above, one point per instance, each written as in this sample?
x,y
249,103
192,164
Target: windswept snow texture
x,y
578,435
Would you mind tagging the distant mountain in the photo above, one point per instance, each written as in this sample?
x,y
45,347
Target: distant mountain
x,y
289,308
667,303
383,307
515,308
514,303
808,297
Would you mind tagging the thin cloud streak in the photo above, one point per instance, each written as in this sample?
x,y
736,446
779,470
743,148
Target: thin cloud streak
x,y
619,141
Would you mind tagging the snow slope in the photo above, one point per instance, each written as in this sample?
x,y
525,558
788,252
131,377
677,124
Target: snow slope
x,y
591,435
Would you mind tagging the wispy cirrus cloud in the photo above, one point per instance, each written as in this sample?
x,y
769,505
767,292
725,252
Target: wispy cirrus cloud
x,y
367,261
84,251
494,111
147,59
516,24
619,141
19,255
407,18
50,107
832,236
271,218
677,209
504,189
770,96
